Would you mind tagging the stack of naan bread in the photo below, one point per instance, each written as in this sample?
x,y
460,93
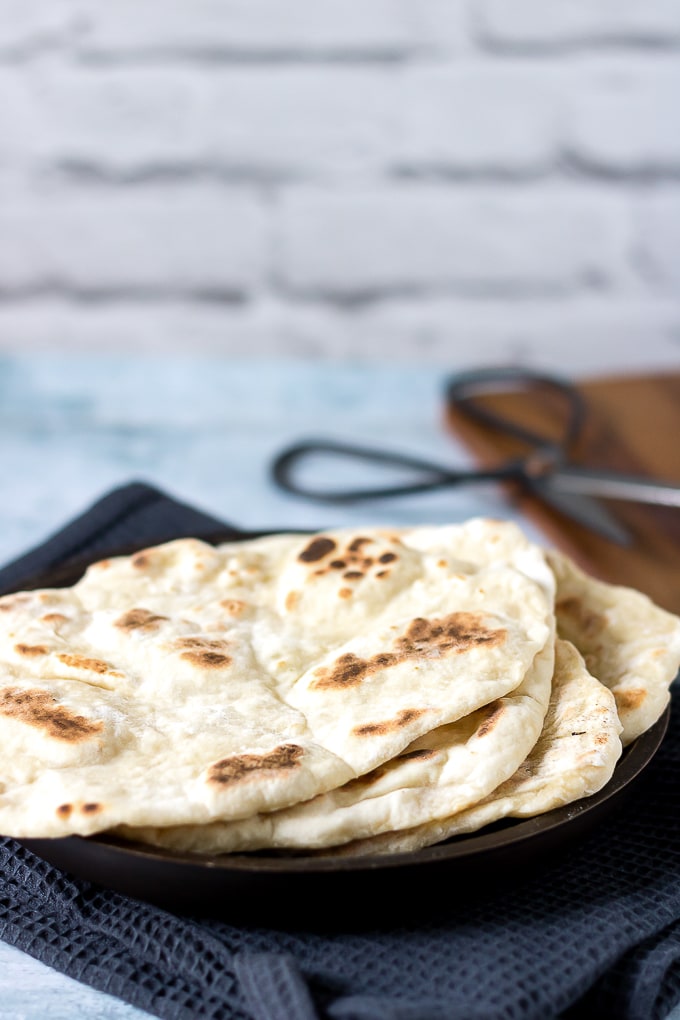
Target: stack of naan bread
x,y
350,692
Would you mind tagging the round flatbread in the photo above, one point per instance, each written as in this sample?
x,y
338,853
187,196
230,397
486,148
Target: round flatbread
x,y
190,683
574,757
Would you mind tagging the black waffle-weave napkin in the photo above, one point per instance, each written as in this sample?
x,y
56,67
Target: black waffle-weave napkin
x,y
592,933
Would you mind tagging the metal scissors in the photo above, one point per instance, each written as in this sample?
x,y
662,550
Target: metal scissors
x,y
545,470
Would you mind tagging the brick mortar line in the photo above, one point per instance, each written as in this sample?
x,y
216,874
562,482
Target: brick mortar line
x,y
139,296
498,49
425,55
212,58
572,172
349,300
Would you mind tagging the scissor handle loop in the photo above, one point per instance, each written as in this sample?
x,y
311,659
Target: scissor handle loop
x,y
461,393
463,389
433,476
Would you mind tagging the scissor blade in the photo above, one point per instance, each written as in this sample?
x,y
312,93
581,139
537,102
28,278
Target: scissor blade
x,y
614,485
584,510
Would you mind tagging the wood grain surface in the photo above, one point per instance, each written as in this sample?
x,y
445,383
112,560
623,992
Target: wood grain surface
x,y
633,425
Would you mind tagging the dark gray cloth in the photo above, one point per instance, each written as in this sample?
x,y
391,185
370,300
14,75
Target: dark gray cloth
x,y
593,933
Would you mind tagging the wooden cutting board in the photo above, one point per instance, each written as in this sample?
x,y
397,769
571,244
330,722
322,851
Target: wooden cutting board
x,y
633,426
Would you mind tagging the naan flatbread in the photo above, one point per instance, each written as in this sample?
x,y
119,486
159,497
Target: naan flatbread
x,y
574,757
628,642
443,771
631,645
189,683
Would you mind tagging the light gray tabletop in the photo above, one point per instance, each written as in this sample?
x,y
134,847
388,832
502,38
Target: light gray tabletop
x,y
71,428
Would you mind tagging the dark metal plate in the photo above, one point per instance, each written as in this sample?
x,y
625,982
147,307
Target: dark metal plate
x,y
298,890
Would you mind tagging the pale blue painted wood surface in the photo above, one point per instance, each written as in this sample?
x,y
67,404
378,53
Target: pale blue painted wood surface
x,y
71,428
205,430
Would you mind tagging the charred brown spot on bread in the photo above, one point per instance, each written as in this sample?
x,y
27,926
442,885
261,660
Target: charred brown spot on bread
x,y
54,618
207,660
421,755
349,670
197,642
572,611
82,662
353,575
317,549
383,573
102,564
454,633
241,766
403,718
369,778
38,708
388,557
495,711
139,619
338,564
64,810
233,606
30,651
141,560
292,599
91,808
631,698
357,544
345,593
204,652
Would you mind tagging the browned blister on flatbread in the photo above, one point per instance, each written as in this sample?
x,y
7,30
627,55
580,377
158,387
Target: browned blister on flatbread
x,y
37,708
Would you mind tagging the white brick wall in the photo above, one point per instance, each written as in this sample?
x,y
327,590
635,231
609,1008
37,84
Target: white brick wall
x,y
243,29
658,238
342,177
561,24
429,239
160,242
